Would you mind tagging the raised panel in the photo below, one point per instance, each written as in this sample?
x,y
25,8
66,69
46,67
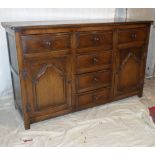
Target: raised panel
x,y
50,89
49,83
12,52
129,69
16,91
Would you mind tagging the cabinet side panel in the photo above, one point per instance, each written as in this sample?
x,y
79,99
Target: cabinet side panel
x,y
14,70
16,90
12,52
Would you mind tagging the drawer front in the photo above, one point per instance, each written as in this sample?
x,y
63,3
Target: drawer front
x,y
93,62
131,35
95,39
90,81
93,98
45,42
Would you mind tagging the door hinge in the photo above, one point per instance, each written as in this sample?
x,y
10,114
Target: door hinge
x,y
28,108
24,73
144,55
69,81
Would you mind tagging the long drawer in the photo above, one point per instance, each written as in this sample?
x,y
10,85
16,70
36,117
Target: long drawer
x,y
131,35
94,61
46,42
95,39
94,80
89,99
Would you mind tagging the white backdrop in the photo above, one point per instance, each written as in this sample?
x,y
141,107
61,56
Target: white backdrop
x,y
37,14
150,15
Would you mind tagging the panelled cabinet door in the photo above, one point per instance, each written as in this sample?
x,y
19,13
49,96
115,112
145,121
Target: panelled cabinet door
x,y
129,70
49,84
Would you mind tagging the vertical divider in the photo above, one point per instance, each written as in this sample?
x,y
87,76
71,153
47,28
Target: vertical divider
x,y
114,62
73,64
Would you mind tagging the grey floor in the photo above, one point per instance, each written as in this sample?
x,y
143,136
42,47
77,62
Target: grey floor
x,y
149,93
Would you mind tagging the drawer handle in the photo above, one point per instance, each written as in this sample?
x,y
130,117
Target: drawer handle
x,y
95,98
95,60
133,36
96,38
48,43
96,79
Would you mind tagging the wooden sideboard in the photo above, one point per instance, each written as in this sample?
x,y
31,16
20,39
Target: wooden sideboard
x,y
58,67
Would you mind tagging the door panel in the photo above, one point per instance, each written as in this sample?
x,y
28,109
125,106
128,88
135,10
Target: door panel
x,y
49,83
50,80
129,64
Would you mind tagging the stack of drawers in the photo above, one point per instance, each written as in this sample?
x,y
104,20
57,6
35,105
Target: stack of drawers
x,y
93,68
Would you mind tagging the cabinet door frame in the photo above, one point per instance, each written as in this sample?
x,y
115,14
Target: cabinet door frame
x,y
31,82
118,68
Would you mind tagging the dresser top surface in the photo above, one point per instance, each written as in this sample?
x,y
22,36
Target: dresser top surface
x,y
70,23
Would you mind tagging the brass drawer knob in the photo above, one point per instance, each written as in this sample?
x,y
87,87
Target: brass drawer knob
x,y
96,79
95,98
48,43
133,36
96,38
95,60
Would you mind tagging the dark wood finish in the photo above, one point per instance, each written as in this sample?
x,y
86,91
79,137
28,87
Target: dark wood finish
x,y
32,25
129,69
93,80
131,35
93,61
90,99
58,67
95,38
49,83
46,42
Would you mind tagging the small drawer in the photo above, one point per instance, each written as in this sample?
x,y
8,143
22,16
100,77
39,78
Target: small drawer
x,y
45,42
94,61
95,80
95,39
131,35
93,98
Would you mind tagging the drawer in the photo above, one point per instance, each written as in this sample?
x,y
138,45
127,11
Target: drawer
x,y
95,39
93,98
131,35
93,62
90,81
45,42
